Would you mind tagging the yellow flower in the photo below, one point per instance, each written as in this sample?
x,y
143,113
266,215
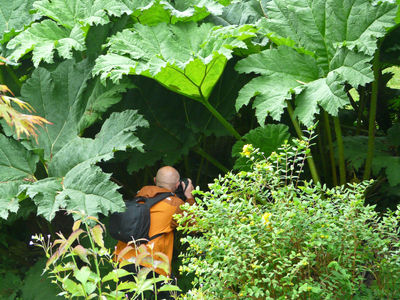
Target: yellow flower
x,y
247,149
266,217
266,221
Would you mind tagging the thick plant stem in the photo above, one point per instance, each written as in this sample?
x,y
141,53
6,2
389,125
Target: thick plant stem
x,y
211,159
310,160
339,141
372,116
322,159
94,257
330,144
221,119
361,107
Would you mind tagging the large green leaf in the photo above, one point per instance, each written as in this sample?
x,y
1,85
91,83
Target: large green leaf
x,y
70,99
14,16
55,95
68,13
322,25
268,139
75,183
186,58
116,134
326,92
64,28
180,125
67,22
282,70
16,163
44,39
321,46
88,189
149,12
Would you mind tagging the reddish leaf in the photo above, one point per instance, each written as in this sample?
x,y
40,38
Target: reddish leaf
x,y
64,247
97,234
82,253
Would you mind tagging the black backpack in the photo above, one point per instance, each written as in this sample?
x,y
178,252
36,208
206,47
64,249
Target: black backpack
x,y
134,223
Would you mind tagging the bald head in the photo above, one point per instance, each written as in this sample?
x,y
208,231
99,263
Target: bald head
x,y
167,177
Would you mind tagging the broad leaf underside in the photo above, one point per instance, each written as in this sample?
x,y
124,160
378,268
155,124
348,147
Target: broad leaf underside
x,y
186,58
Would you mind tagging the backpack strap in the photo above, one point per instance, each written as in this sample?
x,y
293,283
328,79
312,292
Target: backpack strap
x,y
149,202
156,236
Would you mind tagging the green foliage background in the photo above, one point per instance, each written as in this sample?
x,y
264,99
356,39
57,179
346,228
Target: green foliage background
x,y
132,85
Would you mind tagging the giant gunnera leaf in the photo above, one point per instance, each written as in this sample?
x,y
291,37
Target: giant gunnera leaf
x,y
65,94
321,45
69,98
75,183
64,28
67,21
44,38
187,58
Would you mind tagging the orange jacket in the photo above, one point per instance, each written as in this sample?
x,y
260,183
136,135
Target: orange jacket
x,y
161,221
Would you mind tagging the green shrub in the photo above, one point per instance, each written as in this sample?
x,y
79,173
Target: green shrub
x,y
267,234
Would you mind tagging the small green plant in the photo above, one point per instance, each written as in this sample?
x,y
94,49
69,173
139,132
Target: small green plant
x,y
268,234
79,271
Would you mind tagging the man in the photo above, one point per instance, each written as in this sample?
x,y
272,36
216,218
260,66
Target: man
x,y
161,214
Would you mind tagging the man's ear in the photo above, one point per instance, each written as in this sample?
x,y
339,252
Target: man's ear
x,y
154,179
177,184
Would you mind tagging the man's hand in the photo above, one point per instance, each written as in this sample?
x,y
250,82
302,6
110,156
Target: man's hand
x,y
188,190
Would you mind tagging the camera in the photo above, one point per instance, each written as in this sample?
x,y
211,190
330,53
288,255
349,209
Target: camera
x,y
180,191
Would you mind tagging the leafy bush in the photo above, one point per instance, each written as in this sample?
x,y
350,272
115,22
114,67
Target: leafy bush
x,y
267,234
94,271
